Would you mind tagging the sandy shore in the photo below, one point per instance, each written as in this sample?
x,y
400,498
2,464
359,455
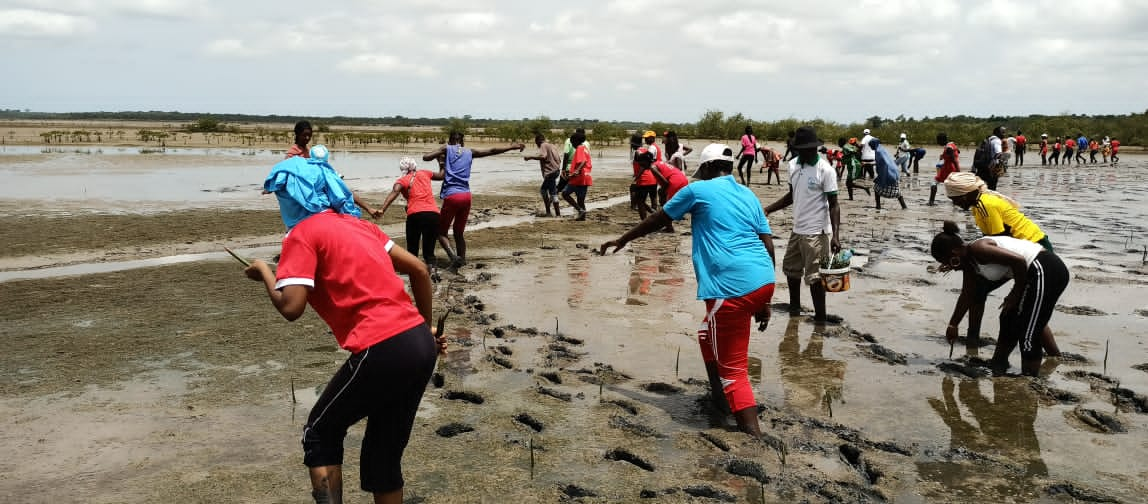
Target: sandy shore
x,y
576,377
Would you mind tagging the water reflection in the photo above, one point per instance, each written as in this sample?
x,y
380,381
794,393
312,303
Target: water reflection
x,y
1002,426
812,382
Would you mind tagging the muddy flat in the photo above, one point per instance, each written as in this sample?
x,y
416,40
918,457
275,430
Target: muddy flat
x,y
570,375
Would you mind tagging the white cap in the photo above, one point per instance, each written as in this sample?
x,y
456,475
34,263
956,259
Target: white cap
x,y
716,152
866,132
904,135
407,164
319,153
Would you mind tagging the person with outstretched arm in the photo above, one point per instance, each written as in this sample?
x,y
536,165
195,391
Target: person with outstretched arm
x,y
733,262
455,191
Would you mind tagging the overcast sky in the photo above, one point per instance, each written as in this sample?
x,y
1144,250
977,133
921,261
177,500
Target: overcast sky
x,y
669,60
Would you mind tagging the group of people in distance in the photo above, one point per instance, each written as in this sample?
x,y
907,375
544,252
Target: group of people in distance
x,y
347,269
1050,153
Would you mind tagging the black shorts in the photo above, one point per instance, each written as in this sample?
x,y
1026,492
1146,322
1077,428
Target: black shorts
x,y
644,192
383,384
550,184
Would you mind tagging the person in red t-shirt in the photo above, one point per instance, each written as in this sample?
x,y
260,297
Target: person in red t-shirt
x,y
1021,148
346,269
1115,144
950,163
580,180
669,179
1043,149
422,211
645,185
303,134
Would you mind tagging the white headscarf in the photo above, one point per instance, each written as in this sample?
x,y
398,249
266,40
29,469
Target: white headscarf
x,y
962,183
408,165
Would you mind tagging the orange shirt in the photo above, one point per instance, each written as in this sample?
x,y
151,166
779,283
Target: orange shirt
x,y
416,188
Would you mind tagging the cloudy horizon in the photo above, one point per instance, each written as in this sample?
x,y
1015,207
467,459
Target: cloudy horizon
x,y
611,60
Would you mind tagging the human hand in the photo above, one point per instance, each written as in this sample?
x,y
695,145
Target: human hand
x,y
439,340
951,334
376,213
617,244
258,270
834,245
762,317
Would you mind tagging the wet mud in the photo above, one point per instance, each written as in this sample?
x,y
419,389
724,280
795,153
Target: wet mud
x,y
576,377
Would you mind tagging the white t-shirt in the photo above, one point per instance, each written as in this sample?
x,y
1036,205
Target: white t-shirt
x,y
1024,248
655,150
1011,144
995,146
867,152
810,204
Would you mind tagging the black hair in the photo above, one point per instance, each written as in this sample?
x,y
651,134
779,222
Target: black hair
x,y
578,138
748,129
455,135
841,142
302,125
635,141
672,144
998,131
948,239
942,138
647,157
539,136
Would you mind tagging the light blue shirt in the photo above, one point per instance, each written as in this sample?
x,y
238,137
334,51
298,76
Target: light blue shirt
x,y
726,218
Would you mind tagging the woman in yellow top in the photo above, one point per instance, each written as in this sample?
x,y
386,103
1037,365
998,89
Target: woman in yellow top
x,y
995,215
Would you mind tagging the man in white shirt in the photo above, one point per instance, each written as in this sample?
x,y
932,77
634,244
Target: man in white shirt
x,y
816,220
868,156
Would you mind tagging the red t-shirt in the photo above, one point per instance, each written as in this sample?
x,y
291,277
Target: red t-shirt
x,y
1115,146
296,150
950,162
677,179
581,179
1070,144
646,178
345,261
417,190
1021,140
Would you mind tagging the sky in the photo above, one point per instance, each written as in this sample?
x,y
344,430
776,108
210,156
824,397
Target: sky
x,y
670,60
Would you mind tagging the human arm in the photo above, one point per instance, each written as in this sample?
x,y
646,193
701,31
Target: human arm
x,y
407,264
478,153
441,173
782,202
834,222
395,191
290,301
987,252
964,300
686,150
435,154
652,223
762,317
361,203
657,174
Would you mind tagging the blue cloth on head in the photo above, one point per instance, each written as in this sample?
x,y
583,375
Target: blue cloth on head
x,y
888,173
306,187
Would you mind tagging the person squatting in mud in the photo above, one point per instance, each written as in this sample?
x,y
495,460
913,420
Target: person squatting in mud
x,y
733,261
347,270
1039,278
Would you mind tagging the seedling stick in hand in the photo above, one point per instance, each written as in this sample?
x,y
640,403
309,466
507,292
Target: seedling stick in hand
x,y
237,258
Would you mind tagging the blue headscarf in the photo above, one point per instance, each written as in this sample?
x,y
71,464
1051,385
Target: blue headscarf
x,y
306,187
887,172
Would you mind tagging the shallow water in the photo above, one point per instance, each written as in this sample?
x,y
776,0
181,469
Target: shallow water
x,y
1093,216
126,177
636,311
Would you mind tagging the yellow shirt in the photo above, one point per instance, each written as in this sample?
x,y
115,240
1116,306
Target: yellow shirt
x,y
999,216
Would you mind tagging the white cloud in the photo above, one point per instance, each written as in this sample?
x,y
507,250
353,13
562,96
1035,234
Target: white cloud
x,y
233,48
381,63
748,65
149,8
472,48
35,23
578,95
464,22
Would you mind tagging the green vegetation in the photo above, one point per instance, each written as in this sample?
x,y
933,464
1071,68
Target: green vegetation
x,y
1131,129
